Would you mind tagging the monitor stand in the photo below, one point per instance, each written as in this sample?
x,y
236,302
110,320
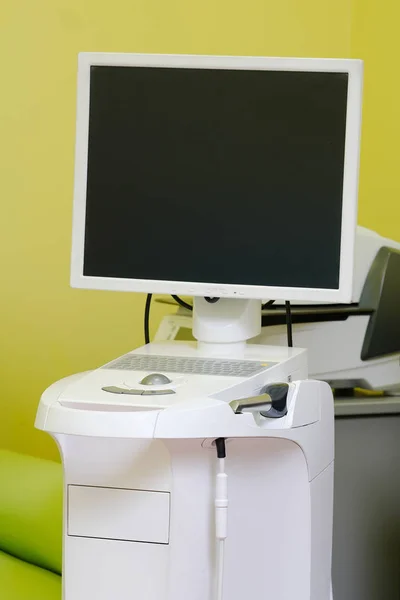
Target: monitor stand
x,y
222,327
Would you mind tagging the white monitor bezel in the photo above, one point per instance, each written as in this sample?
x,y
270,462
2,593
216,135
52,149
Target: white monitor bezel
x,y
354,69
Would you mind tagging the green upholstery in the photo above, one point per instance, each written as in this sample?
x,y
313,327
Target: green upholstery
x,y
30,528
31,509
22,581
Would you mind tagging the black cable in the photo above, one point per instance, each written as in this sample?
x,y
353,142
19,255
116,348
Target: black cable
x,y
147,319
182,302
289,324
267,304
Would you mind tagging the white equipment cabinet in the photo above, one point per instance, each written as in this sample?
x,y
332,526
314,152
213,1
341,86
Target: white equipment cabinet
x,y
140,470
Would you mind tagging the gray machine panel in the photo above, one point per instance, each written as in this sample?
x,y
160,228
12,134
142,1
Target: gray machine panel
x,y
366,536
382,293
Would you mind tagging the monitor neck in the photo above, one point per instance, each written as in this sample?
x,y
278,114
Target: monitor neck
x,y
223,328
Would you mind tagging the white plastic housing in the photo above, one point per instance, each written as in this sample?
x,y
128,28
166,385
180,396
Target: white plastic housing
x,y
334,353
140,473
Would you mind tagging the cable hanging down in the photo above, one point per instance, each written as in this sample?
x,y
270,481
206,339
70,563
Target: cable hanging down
x,y
289,324
221,515
182,303
267,304
147,319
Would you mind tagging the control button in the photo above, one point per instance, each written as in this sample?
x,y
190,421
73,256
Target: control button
x,y
113,389
155,379
157,392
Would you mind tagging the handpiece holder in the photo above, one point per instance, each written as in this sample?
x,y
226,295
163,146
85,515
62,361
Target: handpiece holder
x,y
223,327
271,403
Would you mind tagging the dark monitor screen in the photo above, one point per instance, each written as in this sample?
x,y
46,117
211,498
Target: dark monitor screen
x,y
215,176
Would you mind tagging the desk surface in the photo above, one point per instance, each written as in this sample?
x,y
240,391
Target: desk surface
x,y
367,405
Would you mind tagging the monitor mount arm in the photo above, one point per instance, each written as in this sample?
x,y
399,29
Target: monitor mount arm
x,y
224,327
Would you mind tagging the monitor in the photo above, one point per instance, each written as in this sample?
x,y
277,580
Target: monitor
x,y
216,176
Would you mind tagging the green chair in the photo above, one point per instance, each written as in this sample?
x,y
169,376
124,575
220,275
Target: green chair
x,y
30,528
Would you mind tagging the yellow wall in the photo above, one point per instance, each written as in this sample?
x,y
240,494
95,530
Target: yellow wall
x,y
48,330
375,39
